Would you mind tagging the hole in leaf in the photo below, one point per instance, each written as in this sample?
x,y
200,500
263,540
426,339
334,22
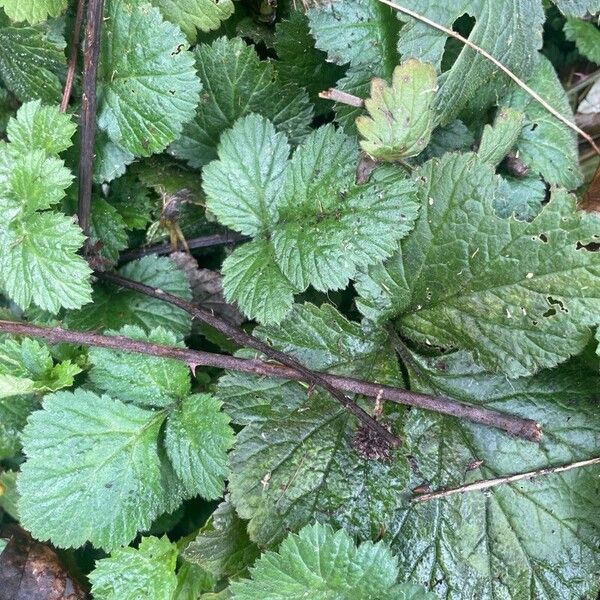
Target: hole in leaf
x,y
452,48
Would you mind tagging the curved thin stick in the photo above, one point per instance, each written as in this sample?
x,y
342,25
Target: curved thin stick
x,y
484,484
498,64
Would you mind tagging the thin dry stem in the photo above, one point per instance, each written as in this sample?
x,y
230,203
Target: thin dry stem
x,y
484,484
497,63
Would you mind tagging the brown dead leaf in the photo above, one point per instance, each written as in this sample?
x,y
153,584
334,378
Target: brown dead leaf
x,y
30,570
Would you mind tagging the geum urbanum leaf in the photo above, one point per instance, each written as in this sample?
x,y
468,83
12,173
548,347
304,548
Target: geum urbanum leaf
x,y
519,296
311,223
586,37
320,563
39,263
400,117
236,83
535,538
134,573
147,84
100,470
300,456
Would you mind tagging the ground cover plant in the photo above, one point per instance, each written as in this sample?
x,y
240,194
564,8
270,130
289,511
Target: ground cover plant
x,y
299,299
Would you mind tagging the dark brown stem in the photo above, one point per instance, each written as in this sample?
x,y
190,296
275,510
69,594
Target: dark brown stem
x,y
523,428
206,241
72,64
243,339
88,110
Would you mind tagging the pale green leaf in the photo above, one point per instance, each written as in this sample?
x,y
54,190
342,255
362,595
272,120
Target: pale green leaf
x,y
320,564
400,117
138,378
192,582
242,187
522,197
39,127
136,573
222,546
39,262
313,224
252,278
519,296
93,470
113,307
26,367
197,438
31,63
295,460
190,15
33,11
146,79
498,140
510,31
586,37
236,83
548,146
531,539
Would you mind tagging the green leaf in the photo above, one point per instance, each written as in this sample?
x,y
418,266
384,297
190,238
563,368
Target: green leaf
x,y
31,63
39,127
363,33
38,250
132,574
319,563
190,15
26,367
222,546
138,378
519,296
313,225
146,79
577,8
197,438
192,582
242,193
33,11
14,411
236,83
586,37
548,146
92,472
400,117
108,230
252,278
531,539
522,197
298,457
514,43
39,264
498,141
301,63
8,493
114,307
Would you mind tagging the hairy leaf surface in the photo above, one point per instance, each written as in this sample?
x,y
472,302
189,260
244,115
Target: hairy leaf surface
x,y
519,296
536,538
33,11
